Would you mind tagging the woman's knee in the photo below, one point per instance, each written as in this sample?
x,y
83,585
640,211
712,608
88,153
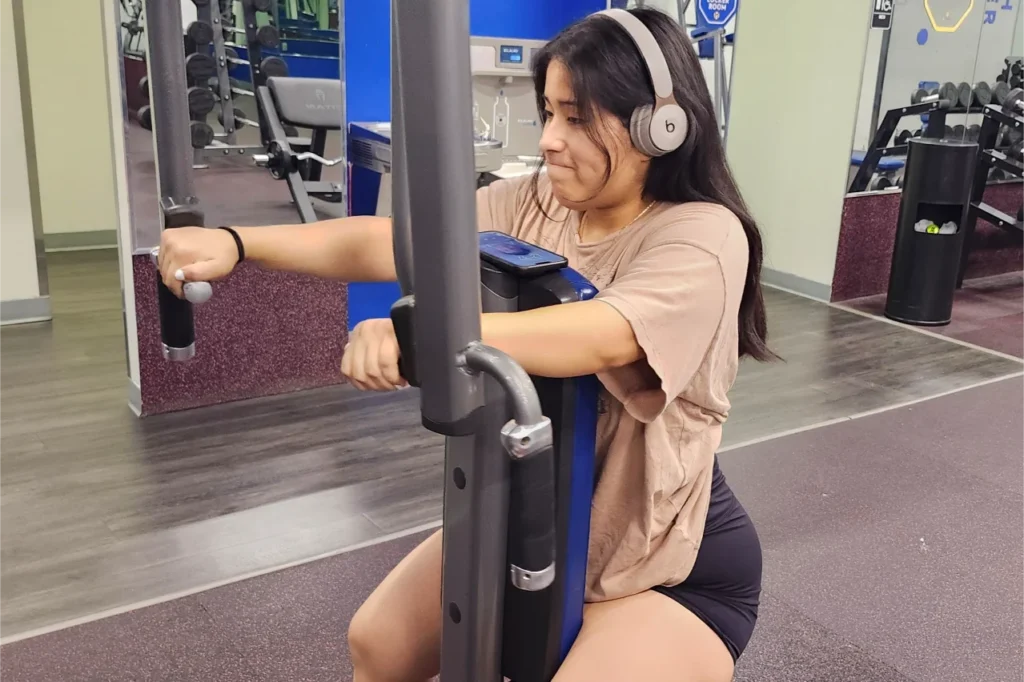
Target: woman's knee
x,y
367,639
395,634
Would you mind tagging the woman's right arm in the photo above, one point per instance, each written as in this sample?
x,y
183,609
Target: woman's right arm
x,y
356,249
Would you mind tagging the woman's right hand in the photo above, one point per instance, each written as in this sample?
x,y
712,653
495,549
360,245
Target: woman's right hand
x,y
195,254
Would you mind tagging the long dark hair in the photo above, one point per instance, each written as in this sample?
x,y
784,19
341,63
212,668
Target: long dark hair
x,y
608,74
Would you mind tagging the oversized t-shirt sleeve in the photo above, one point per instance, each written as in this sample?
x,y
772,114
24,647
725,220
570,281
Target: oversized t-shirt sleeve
x,y
498,203
673,295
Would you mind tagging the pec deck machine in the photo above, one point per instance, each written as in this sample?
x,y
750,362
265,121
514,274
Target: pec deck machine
x,y
519,456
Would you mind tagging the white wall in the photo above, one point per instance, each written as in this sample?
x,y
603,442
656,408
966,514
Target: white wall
x,y
19,276
70,114
791,155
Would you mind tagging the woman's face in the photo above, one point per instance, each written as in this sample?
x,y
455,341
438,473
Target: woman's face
x,y
575,164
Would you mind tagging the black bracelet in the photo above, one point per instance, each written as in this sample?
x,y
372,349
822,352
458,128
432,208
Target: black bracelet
x,y
238,241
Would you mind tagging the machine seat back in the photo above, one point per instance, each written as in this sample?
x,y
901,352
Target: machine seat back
x,y
307,102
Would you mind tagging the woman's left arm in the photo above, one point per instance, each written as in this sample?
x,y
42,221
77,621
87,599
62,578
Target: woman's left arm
x,y
568,340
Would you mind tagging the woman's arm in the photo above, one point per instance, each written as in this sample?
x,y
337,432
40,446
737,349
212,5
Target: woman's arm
x,y
560,341
356,249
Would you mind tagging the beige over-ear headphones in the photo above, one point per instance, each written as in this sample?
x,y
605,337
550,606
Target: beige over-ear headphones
x,y
659,128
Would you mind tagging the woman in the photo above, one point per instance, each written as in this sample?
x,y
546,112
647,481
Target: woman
x,y
674,564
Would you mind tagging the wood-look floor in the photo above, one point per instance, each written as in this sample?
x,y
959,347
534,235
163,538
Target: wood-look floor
x,y
99,509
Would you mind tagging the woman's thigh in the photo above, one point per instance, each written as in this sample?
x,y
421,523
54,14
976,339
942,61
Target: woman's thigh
x,y
396,633
648,638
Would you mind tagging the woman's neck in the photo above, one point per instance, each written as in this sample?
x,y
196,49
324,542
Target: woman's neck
x,y
599,223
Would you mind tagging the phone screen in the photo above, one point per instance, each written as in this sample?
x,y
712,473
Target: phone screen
x,y
503,250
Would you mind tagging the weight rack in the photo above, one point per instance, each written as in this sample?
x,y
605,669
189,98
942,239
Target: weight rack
x,y
879,147
219,15
995,119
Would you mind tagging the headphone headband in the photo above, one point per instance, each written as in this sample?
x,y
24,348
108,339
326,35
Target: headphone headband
x,y
649,50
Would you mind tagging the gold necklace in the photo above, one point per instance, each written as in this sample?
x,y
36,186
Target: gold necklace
x,y
641,214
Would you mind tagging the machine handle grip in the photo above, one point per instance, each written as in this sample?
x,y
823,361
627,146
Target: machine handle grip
x,y
531,549
194,292
402,312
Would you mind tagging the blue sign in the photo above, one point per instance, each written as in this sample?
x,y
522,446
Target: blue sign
x,y
716,13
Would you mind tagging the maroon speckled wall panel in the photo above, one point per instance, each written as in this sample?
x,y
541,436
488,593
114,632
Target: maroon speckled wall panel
x,y
263,333
868,229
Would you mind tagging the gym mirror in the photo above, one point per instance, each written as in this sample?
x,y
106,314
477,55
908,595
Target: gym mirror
x,y
230,49
968,53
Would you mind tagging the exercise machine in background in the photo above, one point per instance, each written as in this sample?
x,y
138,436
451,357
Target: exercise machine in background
x,y
310,103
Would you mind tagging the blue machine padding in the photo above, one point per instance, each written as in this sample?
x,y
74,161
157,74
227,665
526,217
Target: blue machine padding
x,y
363,201
370,301
886,163
584,440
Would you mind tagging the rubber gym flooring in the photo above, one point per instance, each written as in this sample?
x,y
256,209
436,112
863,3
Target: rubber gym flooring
x,y
986,312
892,552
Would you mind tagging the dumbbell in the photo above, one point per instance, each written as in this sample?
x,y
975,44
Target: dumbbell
x,y
982,93
879,182
973,132
260,5
921,93
902,137
240,119
947,132
965,95
1000,91
917,133
144,87
200,32
200,102
996,174
958,132
201,133
1016,151
1014,102
268,36
200,68
273,66
949,91
145,115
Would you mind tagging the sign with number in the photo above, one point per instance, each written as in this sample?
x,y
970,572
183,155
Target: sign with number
x,y
717,13
881,17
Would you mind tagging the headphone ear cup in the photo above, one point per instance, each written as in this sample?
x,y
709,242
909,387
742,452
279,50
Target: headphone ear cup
x,y
640,131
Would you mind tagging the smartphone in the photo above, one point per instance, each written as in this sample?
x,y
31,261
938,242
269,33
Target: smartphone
x,y
518,257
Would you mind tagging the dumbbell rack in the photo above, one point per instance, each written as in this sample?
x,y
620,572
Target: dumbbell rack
x,y
211,11
995,118
879,147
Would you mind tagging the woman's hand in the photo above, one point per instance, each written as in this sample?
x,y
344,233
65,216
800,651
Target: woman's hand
x,y
195,254
371,357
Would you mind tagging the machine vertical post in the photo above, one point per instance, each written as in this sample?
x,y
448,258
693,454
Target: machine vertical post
x,y
178,206
436,94
432,119
401,228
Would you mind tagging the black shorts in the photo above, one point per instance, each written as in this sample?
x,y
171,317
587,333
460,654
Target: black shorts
x,y
724,587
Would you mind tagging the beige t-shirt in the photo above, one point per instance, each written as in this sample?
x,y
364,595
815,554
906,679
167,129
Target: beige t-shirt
x,y
676,276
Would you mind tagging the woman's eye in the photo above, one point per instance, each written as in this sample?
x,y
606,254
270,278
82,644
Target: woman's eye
x,y
575,121
547,115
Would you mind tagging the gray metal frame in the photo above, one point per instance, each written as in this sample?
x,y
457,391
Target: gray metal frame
x,y
461,395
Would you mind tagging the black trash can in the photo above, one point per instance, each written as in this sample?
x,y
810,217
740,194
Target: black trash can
x,y
929,234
